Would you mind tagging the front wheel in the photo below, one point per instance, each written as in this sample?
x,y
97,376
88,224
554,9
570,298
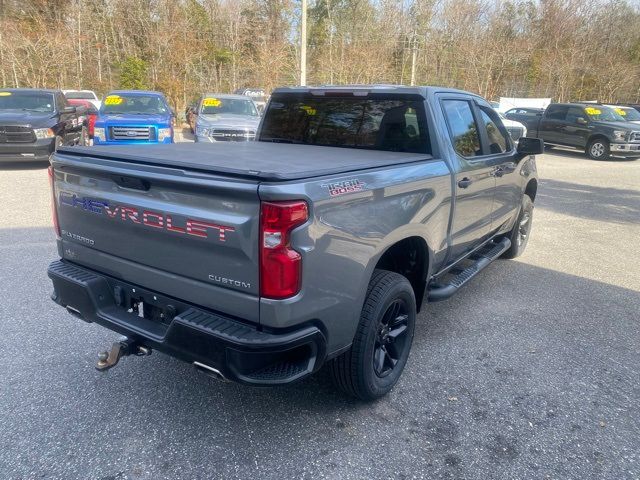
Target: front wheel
x,y
598,149
380,349
521,230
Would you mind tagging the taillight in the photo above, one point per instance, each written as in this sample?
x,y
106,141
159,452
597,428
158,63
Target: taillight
x,y
54,211
280,265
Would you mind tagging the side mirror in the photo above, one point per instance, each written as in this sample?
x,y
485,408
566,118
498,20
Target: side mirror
x,y
581,121
530,146
69,109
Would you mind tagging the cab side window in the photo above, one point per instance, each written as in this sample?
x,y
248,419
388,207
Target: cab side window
x,y
498,140
462,127
557,112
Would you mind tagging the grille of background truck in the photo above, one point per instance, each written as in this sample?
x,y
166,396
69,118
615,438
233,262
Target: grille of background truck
x,y
132,133
16,134
231,135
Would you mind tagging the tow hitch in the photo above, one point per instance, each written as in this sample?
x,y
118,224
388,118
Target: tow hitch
x,y
123,347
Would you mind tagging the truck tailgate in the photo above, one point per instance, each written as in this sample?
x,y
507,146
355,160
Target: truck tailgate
x,y
191,235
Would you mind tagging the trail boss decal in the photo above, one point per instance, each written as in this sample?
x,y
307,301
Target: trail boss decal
x,y
146,218
346,186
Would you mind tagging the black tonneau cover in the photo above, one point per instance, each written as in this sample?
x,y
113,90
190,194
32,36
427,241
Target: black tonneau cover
x,y
255,160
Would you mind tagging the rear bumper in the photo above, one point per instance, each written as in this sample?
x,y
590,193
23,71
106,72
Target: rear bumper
x,y
240,352
27,152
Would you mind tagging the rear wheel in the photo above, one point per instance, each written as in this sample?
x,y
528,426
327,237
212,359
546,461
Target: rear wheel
x,y
380,349
521,230
598,149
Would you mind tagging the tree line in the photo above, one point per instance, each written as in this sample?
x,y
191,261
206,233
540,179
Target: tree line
x,y
563,49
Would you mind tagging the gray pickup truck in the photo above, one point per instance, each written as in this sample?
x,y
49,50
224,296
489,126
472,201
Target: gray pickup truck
x,y
259,262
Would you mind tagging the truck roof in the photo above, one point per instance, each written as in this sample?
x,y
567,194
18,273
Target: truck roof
x,y
251,160
229,96
373,88
43,90
136,92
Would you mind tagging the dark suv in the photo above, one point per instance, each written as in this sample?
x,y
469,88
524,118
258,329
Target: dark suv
x,y
597,129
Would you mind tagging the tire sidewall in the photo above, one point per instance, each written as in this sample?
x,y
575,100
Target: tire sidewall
x,y
375,385
606,151
526,207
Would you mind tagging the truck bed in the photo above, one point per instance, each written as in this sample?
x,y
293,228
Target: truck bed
x,y
262,161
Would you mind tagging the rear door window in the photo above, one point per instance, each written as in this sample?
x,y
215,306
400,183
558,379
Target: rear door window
x,y
463,127
377,122
557,112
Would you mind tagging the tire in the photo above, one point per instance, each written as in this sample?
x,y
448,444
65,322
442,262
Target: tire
x,y
521,230
380,349
598,149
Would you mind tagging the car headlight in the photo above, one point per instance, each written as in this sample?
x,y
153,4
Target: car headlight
x,y
43,133
98,132
619,135
164,133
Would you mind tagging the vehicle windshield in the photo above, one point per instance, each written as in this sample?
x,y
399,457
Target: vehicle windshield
x,y
28,101
213,106
601,113
629,114
378,122
80,95
133,104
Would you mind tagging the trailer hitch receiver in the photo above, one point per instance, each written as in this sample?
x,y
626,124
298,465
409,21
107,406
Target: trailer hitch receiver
x,y
122,348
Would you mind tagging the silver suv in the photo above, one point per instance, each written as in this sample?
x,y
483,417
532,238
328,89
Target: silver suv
x,y
224,118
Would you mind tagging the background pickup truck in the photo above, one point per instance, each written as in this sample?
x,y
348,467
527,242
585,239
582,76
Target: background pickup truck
x,y
34,122
261,261
596,129
133,117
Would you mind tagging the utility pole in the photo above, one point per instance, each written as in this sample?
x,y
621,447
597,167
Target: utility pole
x,y
414,54
303,44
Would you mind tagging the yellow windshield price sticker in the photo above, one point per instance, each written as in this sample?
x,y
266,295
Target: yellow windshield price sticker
x,y
620,111
592,111
211,102
308,109
113,100
5,94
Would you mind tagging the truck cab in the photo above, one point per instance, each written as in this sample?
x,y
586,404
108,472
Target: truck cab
x,y
134,117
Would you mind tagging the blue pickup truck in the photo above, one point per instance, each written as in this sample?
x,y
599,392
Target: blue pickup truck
x,y
134,117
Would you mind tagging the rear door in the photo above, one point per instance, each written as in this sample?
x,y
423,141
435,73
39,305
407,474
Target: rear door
x,y
191,236
552,125
474,180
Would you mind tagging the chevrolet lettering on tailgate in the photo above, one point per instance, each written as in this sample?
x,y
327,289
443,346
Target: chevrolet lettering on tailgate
x,y
147,218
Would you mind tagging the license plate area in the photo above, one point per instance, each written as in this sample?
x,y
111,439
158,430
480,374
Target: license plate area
x,y
145,304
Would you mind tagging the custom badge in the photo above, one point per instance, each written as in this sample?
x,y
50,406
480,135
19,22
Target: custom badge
x,y
344,187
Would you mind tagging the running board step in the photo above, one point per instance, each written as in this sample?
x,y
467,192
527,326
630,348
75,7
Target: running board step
x,y
481,259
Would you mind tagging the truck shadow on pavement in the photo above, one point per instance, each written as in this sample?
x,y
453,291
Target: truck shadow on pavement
x,y
587,201
527,371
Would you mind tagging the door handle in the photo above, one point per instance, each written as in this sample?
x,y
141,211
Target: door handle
x,y
465,182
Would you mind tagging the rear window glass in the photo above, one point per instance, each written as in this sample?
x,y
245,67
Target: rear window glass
x,y
391,124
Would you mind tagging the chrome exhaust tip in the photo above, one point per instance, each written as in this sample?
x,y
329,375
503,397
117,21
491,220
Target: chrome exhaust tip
x,y
212,372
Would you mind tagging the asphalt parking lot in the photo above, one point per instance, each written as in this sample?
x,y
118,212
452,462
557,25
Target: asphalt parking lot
x,y
531,372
